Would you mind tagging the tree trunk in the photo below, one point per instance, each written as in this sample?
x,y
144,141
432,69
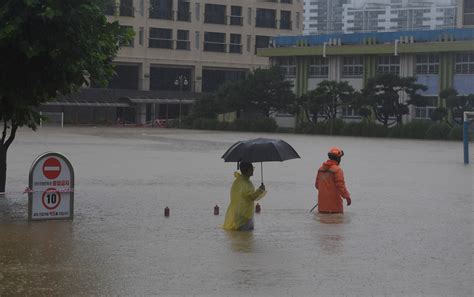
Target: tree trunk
x,y
4,145
3,167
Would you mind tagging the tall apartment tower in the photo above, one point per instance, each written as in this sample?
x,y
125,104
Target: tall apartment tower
x,y
372,15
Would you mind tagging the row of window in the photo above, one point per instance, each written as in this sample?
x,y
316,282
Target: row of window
x,y
213,13
213,41
353,66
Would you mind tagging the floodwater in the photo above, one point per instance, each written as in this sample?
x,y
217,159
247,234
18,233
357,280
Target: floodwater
x,y
408,232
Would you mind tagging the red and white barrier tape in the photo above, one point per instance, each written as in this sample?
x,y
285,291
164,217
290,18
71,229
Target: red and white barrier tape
x,y
29,190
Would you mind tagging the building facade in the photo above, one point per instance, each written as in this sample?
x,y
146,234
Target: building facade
x,y
184,47
437,58
346,16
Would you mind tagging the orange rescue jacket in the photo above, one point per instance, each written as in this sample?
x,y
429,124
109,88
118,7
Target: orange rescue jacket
x,y
331,187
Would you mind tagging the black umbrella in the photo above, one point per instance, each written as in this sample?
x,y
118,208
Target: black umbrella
x,y
260,150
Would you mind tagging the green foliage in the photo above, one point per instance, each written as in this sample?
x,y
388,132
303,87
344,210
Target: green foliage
x,y
49,48
261,91
438,131
326,99
206,106
457,104
414,129
456,133
382,95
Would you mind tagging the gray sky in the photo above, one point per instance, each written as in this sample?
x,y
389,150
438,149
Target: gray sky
x,y
359,2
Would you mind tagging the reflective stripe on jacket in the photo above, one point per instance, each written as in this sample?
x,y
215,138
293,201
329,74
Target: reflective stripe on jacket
x,y
331,187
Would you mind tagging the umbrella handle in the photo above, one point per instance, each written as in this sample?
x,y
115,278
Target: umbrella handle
x,y
261,171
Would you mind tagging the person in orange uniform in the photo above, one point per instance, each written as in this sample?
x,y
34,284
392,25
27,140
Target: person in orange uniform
x,y
331,185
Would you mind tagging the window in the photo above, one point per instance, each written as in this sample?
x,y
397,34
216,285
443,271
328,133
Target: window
x,y
285,19
349,112
161,9
126,42
126,8
353,66
249,42
261,42
215,14
109,8
160,38
465,63
249,16
183,11
213,78
182,40
427,64
214,42
297,20
266,18
235,45
388,64
318,67
288,66
286,1
425,112
236,15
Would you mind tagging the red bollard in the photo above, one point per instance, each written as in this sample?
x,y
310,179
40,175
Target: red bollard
x,y
167,212
216,210
257,208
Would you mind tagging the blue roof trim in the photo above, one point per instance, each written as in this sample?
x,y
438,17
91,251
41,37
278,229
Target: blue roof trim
x,y
380,37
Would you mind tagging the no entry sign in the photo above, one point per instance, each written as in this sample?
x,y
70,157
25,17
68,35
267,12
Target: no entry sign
x,y
51,168
51,182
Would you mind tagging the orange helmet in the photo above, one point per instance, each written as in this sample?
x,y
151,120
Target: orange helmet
x,y
335,151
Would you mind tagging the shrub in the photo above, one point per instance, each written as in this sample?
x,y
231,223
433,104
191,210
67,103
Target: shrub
x,y
438,131
455,133
257,125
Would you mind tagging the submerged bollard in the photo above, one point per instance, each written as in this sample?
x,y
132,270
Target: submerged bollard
x,y
257,208
167,212
216,210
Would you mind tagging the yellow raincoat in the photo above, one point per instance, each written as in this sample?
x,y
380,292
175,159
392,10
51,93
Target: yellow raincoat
x,y
242,197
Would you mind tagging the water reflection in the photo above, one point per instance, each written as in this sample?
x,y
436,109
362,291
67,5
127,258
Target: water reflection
x,y
241,242
332,218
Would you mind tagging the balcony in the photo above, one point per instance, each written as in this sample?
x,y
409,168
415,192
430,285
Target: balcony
x,y
155,13
265,23
184,16
236,20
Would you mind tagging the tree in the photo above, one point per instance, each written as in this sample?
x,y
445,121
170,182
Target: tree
x,y
457,104
49,48
262,91
382,95
326,99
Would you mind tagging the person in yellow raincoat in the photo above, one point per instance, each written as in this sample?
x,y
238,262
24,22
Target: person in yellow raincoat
x,y
331,185
240,212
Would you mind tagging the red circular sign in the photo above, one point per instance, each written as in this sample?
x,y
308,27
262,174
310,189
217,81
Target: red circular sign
x,y
51,168
51,199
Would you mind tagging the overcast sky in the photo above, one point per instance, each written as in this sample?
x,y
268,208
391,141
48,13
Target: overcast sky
x,y
358,2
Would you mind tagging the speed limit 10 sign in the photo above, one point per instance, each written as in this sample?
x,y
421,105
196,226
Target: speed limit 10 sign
x,y
51,181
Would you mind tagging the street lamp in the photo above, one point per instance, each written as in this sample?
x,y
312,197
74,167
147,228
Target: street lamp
x,y
180,81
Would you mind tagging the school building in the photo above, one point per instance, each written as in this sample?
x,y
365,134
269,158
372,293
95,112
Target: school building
x,y
437,58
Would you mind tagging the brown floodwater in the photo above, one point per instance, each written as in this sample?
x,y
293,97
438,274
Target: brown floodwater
x,y
408,232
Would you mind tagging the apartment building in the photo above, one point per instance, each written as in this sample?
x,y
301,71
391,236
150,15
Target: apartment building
x,y
349,16
182,48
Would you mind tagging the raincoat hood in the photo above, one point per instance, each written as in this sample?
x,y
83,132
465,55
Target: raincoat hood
x,y
330,165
